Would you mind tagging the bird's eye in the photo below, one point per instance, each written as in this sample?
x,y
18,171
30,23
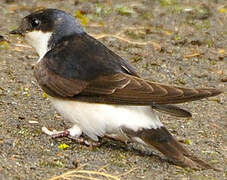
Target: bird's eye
x,y
35,23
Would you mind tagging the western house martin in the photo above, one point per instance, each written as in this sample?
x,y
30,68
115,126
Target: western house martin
x,y
100,92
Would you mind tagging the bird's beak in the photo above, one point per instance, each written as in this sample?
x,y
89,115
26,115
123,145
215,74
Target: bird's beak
x,y
17,31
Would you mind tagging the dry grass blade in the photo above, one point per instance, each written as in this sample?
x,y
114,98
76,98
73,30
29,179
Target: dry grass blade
x,y
127,172
191,55
100,36
85,174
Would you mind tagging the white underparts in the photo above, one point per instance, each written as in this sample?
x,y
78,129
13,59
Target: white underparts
x,y
39,41
99,119
75,131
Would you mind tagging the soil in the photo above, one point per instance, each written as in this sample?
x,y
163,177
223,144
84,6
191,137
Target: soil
x,y
168,41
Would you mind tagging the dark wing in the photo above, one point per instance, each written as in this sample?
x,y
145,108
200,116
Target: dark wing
x,y
55,85
82,68
67,69
126,89
119,88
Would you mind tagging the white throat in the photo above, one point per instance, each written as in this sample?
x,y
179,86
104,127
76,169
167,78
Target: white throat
x,y
39,41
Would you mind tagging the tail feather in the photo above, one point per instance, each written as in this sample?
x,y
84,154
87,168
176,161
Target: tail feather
x,y
171,110
163,141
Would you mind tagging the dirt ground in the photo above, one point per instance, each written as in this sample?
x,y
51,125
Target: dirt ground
x,y
168,41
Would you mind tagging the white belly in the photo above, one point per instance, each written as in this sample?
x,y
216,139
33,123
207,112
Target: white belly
x,y
99,119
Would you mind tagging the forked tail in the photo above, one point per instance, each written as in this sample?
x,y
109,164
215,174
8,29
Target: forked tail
x,y
163,141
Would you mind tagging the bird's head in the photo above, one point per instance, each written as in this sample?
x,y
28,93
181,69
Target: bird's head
x,y
44,28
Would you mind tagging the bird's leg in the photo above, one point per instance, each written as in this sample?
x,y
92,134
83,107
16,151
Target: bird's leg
x,y
74,133
116,137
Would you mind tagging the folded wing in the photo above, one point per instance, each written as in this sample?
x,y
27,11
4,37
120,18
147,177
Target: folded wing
x,y
126,89
119,88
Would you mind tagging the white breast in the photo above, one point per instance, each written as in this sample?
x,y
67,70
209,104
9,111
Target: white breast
x,y
99,119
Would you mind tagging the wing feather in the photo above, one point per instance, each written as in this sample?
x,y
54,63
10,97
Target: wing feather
x,y
101,76
57,86
119,88
126,89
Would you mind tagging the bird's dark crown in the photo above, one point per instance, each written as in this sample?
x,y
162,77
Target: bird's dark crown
x,y
55,21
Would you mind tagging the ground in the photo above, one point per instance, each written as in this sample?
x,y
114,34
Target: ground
x,y
168,41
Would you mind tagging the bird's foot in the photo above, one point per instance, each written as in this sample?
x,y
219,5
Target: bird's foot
x,y
67,133
54,133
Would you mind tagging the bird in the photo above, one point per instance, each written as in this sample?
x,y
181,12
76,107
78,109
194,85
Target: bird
x,y
99,92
